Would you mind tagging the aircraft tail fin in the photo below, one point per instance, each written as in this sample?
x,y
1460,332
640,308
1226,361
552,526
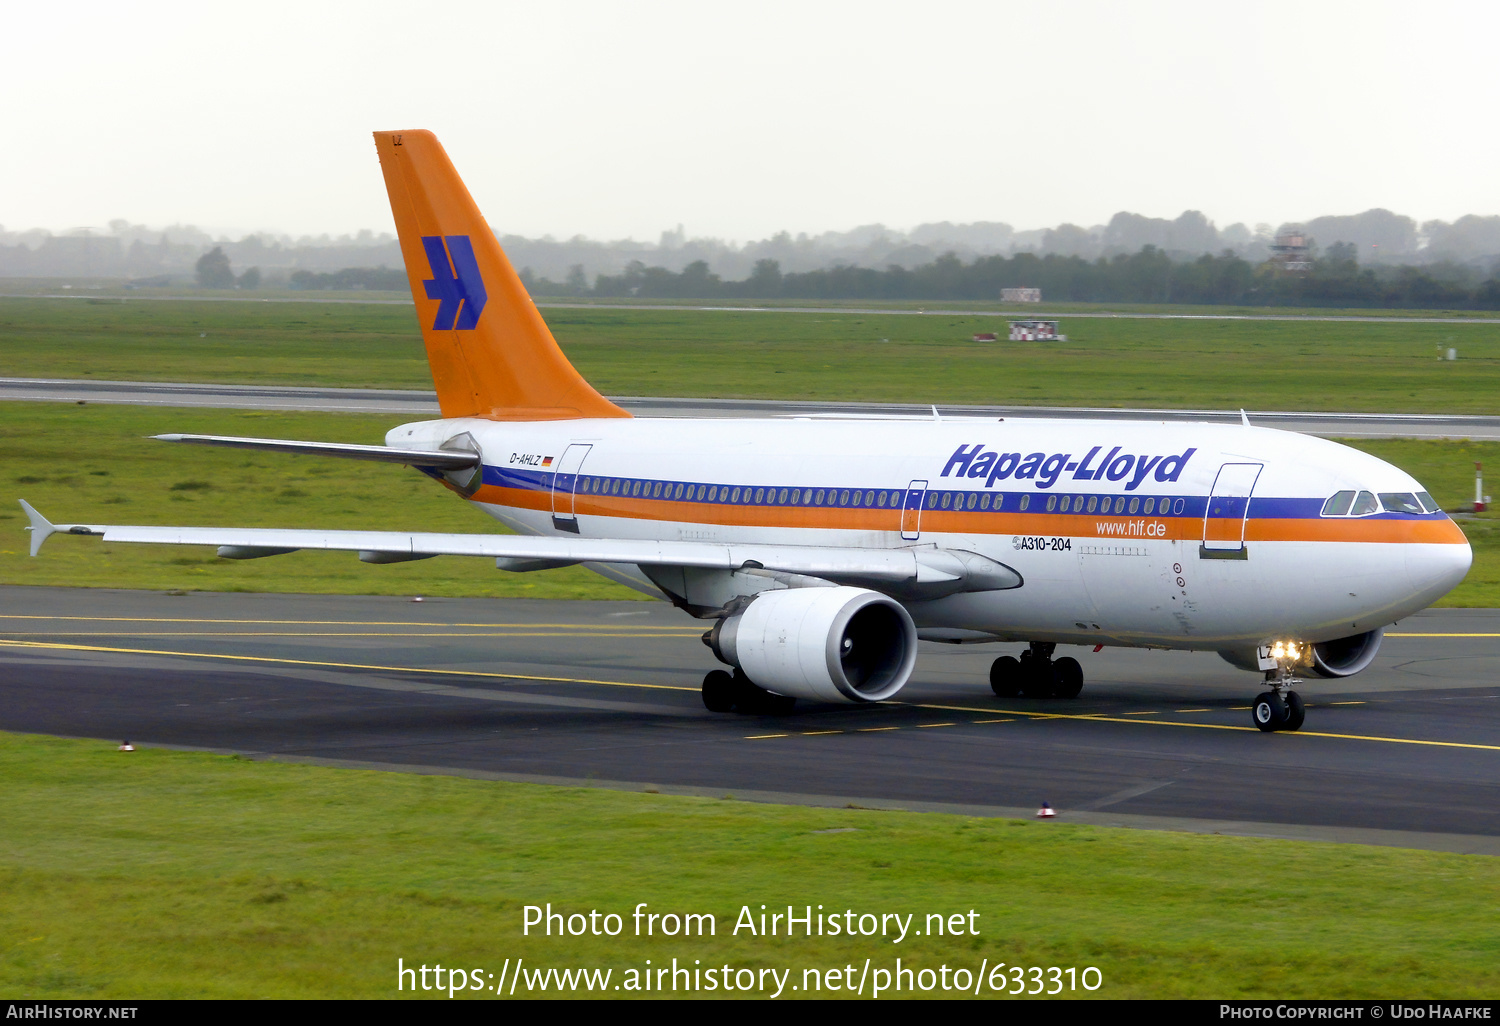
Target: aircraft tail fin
x,y
490,352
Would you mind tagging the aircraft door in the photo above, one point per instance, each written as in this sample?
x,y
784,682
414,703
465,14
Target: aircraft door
x,y
1228,509
911,511
565,486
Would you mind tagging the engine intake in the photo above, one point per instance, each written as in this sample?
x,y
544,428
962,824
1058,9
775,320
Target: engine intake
x,y
823,644
1346,656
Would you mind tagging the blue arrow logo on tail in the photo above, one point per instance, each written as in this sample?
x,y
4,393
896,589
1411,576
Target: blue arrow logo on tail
x,y
455,282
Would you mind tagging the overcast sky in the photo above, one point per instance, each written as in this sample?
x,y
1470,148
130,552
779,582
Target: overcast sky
x,y
741,119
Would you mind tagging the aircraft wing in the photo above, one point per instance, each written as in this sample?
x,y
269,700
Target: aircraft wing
x,y
924,565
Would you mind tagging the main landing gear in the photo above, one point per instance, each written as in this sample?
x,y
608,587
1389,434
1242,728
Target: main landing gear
x,y
726,692
1281,708
1036,674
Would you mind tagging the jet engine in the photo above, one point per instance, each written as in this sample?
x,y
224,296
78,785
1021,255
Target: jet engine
x,y
1346,656
824,644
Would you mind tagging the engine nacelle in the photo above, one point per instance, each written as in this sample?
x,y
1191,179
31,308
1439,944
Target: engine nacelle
x,y
1346,656
823,644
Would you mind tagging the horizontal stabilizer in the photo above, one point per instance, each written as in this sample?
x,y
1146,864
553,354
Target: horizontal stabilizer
x,y
377,453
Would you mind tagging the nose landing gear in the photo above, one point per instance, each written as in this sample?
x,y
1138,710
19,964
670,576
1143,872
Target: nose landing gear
x,y
1281,708
1036,674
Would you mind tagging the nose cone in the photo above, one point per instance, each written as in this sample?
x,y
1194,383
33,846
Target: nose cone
x,y
1436,569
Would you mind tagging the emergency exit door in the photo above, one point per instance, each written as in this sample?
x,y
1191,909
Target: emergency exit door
x,y
911,511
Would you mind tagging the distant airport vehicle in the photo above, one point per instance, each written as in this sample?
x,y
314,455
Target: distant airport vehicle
x,y
822,549
1035,331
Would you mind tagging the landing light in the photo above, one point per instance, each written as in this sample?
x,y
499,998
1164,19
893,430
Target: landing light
x,y
1285,650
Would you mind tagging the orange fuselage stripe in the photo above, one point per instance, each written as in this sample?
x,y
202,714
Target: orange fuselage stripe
x,y
940,521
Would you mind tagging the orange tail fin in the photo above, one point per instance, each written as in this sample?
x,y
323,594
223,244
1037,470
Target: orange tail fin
x,y
489,349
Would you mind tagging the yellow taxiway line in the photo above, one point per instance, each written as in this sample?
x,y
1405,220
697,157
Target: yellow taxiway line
x,y
341,666
343,623
990,711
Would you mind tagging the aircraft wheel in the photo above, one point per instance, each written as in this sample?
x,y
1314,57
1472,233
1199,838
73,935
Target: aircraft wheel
x,y
1036,677
1296,711
1269,712
753,700
777,705
718,692
1005,677
1067,677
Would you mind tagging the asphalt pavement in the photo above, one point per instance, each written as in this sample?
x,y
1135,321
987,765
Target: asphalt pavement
x,y
606,694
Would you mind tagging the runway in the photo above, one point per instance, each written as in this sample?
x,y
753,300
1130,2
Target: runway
x,y
416,405
606,694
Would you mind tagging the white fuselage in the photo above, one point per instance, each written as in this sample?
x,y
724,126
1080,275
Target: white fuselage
x,y
1168,534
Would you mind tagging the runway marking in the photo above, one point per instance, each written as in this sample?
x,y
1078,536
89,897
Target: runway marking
x,y
1095,717
762,737
995,721
936,725
322,634
338,623
1149,712
815,733
343,666
1100,718
1339,703
1192,710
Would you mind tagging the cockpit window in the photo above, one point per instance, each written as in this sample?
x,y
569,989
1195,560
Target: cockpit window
x,y
1338,504
1429,504
1400,502
1362,504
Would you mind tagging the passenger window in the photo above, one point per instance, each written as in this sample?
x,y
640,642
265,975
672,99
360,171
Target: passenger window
x,y
1364,505
1051,503
1429,504
1093,503
1338,504
1025,501
1400,502
1150,505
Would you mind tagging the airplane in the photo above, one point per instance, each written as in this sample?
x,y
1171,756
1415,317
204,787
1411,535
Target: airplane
x,y
823,549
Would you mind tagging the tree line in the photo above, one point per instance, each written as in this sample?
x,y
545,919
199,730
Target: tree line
x,y
1148,276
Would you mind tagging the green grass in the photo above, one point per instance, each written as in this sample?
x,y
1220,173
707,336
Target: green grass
x,y
170,874
93,464
1281,365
